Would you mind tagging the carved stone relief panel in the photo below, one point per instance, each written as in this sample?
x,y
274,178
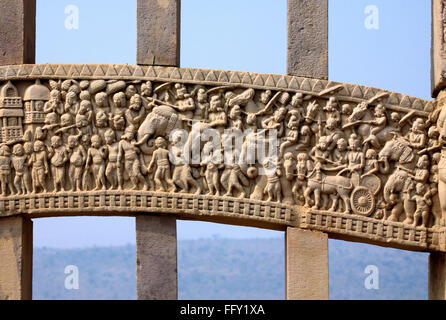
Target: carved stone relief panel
x,y
346,159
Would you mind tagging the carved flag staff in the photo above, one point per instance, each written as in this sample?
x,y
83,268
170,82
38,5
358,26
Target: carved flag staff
x,y
298,152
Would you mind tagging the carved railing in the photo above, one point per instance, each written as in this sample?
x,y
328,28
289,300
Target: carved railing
x,y
358,163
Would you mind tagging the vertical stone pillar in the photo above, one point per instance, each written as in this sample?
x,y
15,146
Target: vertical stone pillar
x,y
17,46
158,28
437,276
307,48
16,257
438,49
158,37
17,31
156,258
306,265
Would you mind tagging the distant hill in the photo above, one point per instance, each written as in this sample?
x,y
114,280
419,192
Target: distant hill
x,y
229,269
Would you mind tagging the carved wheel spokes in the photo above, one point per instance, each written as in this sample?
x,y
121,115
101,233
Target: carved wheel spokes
x,y
362,201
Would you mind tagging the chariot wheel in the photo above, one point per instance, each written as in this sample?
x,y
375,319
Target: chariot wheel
x,y
362,201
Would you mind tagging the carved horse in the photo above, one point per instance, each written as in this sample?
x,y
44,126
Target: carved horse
x,y
334,186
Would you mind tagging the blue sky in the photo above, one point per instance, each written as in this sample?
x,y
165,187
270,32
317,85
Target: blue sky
x,y
245,35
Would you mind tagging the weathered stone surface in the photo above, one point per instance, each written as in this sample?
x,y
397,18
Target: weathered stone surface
x,y
437,276
156,258
17,31
158,28
16,251
308,38
306,254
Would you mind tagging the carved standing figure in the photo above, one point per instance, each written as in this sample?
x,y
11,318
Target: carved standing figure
x,y
19,162
39,162
97,154
58,156
78,156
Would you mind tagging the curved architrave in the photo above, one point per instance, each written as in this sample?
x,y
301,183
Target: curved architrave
x,y
233,210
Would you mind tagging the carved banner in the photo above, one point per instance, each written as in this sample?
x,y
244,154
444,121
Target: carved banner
x,y
252,149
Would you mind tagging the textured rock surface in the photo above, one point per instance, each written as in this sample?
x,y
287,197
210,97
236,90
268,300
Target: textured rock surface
x,y
17,31
16,243
306,255
156,258
158,27
308,38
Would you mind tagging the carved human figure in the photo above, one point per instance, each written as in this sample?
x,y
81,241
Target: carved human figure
x,y
39,163
235,118
355,157
340,153
101,124
5,170
275,122
423,203
67,127
129,153
378,124
160,159
96,157
292,136
371,163
417,136
202,106
210,166
112,171
320,152
101,102
78,156
273,188
233,177
71,103
119,103
303,167
28,148
421,175
332,133
55,103
185,103
135,114
331,110
182,178
217,116
58,155
304,138
51,126
84,129
20,164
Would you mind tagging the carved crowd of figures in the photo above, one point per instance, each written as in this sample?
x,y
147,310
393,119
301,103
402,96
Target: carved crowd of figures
x,y
352,157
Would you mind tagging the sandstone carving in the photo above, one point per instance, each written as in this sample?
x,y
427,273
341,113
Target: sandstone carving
x,y
86,136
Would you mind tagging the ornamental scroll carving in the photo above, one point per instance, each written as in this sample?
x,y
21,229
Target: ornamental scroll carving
x,y
289,151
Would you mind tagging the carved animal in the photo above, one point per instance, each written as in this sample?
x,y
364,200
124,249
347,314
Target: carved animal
x,y
335,186
158,123
393,187
397,150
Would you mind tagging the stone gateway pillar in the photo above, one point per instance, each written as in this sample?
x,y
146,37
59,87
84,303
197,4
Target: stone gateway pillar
x,y
156,258
306,265
306,252
17,46
16,258
158,44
